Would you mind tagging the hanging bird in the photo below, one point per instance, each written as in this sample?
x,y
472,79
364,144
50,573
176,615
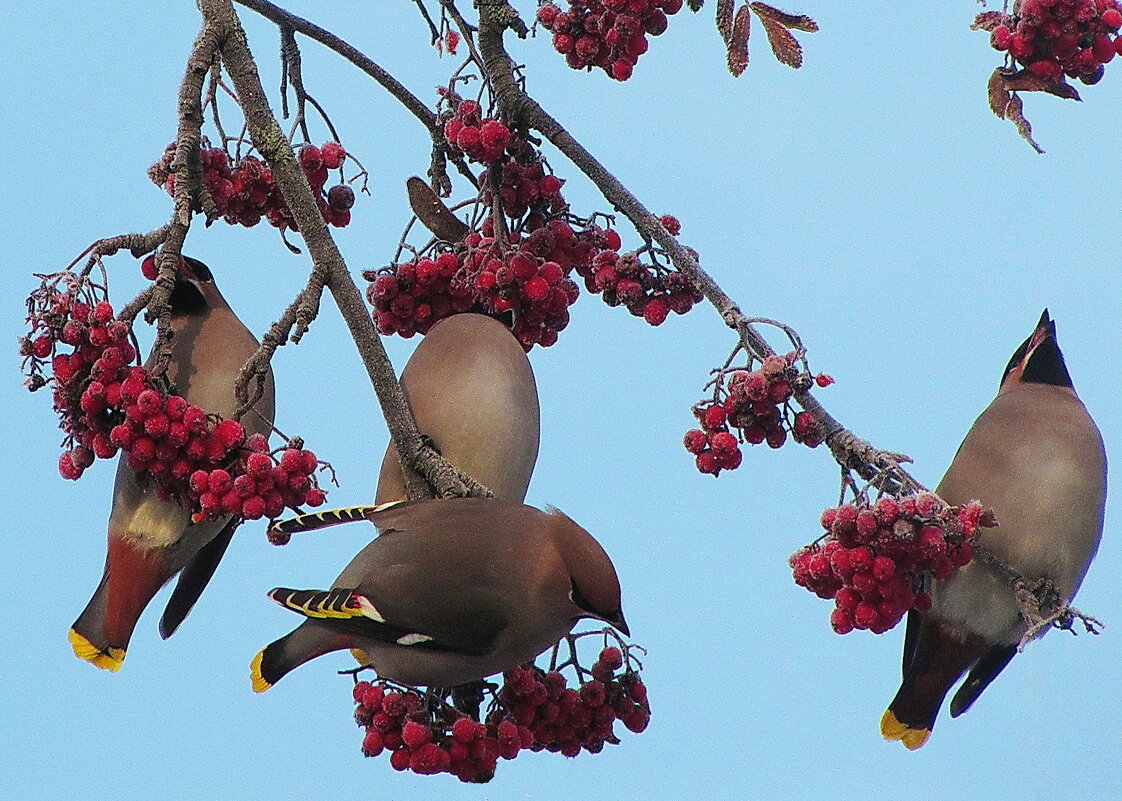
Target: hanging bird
x,y
472,392
151,540
451,591
1036,458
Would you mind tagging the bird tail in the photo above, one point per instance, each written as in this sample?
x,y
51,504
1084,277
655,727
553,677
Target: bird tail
x,y
304,643
132,577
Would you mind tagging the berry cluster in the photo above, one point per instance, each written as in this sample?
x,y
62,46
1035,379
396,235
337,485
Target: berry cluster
x,y
647,291
198,459
565,719
410,296
88,379
610,34
482,140
428,741
1054,38
534,710
757,404
245,191
876,561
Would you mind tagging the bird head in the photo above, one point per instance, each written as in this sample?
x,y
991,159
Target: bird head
x,y
194,289
594,585
1038,360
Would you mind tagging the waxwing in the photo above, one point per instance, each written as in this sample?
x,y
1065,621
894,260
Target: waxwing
x,y
151,540
451,591
1036,458
472,392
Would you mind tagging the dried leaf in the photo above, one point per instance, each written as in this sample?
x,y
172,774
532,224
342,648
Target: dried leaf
x,y
738,42
1025,81
799,22
998,93
783,44
432,212
695,5
1007,105
724,19
988,20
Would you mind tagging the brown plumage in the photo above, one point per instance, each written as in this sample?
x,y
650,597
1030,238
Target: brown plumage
x,y
1036,457
472,392
150,540
451,591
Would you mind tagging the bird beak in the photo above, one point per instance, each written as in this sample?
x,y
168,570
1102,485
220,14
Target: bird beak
x,y
618,621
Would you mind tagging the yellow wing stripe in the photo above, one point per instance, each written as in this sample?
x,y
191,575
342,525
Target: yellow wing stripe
x,y
337,603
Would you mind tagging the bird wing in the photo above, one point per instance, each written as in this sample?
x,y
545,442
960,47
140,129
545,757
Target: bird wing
x,y
194,578
989,666
451,628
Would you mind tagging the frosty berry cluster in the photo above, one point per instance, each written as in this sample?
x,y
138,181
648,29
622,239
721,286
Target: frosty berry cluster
x,y
534,710
610,34
201,461
1054,38
647,291
482,140
245,191
757,405
876,561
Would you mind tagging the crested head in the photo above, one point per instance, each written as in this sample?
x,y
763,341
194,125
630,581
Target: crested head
x,y
595,586
194,289
1038,360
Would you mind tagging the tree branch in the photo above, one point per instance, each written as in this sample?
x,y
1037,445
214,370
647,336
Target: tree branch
x,y
412,103
518,107
270,141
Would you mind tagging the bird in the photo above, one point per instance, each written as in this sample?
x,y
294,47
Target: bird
x,y
1036,458
472,392
450,591
151,540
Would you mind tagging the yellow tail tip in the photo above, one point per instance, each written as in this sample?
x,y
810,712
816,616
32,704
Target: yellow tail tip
x,y
110,659
259,683
361,656
892,729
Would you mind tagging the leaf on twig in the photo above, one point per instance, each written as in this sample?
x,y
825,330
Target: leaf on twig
x,y
724,19
738,42
1025,81
432,212
988,20
1007,104
798,22
786,48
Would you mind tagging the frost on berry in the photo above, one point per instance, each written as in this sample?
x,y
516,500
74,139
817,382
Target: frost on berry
x,y
876,561
244,192
108,404
1046,42
608,34
752,406
562,707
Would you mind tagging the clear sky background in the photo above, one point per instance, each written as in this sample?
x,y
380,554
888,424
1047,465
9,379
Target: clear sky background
x,y
870,200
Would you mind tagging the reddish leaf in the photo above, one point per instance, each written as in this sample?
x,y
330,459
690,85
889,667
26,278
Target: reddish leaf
x,y
724,19
1025,81
799,22
988,20
1007,105
783,44
738,41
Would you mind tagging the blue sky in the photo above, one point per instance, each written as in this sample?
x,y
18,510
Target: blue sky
x,y
870,200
